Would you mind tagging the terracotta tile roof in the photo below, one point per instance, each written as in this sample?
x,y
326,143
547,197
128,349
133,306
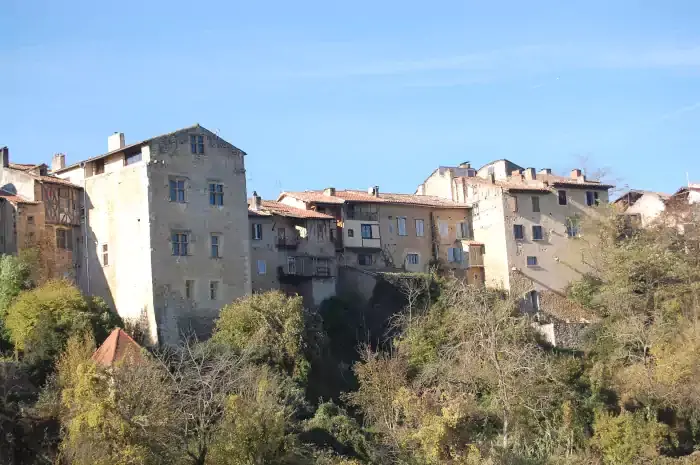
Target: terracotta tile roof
x,y
514,186
117,347
342,196
270,207
25,168
14,198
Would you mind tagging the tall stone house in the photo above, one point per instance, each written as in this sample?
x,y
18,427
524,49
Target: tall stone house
x,y
530,222
166,240
292,249
378,231
38,210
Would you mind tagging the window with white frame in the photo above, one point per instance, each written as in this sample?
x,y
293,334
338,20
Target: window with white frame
x,y
401,225
213,290
180,243
420,228
412,259
215,242
262,267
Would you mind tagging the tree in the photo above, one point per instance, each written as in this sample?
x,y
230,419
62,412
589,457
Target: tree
x,y
14,278
271,327
41,320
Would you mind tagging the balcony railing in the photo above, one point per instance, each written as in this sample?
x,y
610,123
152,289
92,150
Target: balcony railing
x,y
287,242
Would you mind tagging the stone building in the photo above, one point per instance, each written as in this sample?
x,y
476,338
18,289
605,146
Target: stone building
x,y
167,240
529,221
397,232
41,211
644,206
292,249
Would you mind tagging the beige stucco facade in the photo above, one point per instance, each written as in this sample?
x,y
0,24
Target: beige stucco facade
x,y
292,251
396,232
133,219
518,215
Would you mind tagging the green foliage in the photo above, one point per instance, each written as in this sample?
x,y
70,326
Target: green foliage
x,y
585,291
627,437
14,277
270,327
41,320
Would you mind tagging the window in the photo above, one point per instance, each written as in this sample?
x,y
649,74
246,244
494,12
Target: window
x,y
105,255
64,239
213,290
189,289
98,166
262,267
420,228
535,204
366,230
179,242
533,298
443,228
531,261
537,233
323,267
518,231
455,255
216,194
364,259
132,158
291,265
463,230
351,233
30,219
562,197
412,259
215,246
196,143
401,224
572,226
592,198
363,212
257,231
177,190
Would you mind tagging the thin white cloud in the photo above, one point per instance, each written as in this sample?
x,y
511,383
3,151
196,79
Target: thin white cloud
x,y
681,111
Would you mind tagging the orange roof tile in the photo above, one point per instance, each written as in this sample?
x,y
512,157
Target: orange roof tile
x,y
25,168
14,198
342,196
270,207
117,347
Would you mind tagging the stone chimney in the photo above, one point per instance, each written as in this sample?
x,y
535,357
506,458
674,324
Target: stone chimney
x,y
330,191
5,155
256,203
58,162
530,174
115,142
575,173
465,164
374,190
515,174
546,171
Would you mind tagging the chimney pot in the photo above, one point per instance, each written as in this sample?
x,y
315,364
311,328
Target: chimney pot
x,y
330,191
530,174
575,173
465,164
115,142
257,201
373,191
58,162
5,155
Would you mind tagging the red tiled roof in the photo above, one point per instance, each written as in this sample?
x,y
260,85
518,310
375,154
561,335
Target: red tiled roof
x,y
342,196
117,347
14,198
22,166
270,207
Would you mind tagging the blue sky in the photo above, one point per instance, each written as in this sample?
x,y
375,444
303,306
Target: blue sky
x,y
365,93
